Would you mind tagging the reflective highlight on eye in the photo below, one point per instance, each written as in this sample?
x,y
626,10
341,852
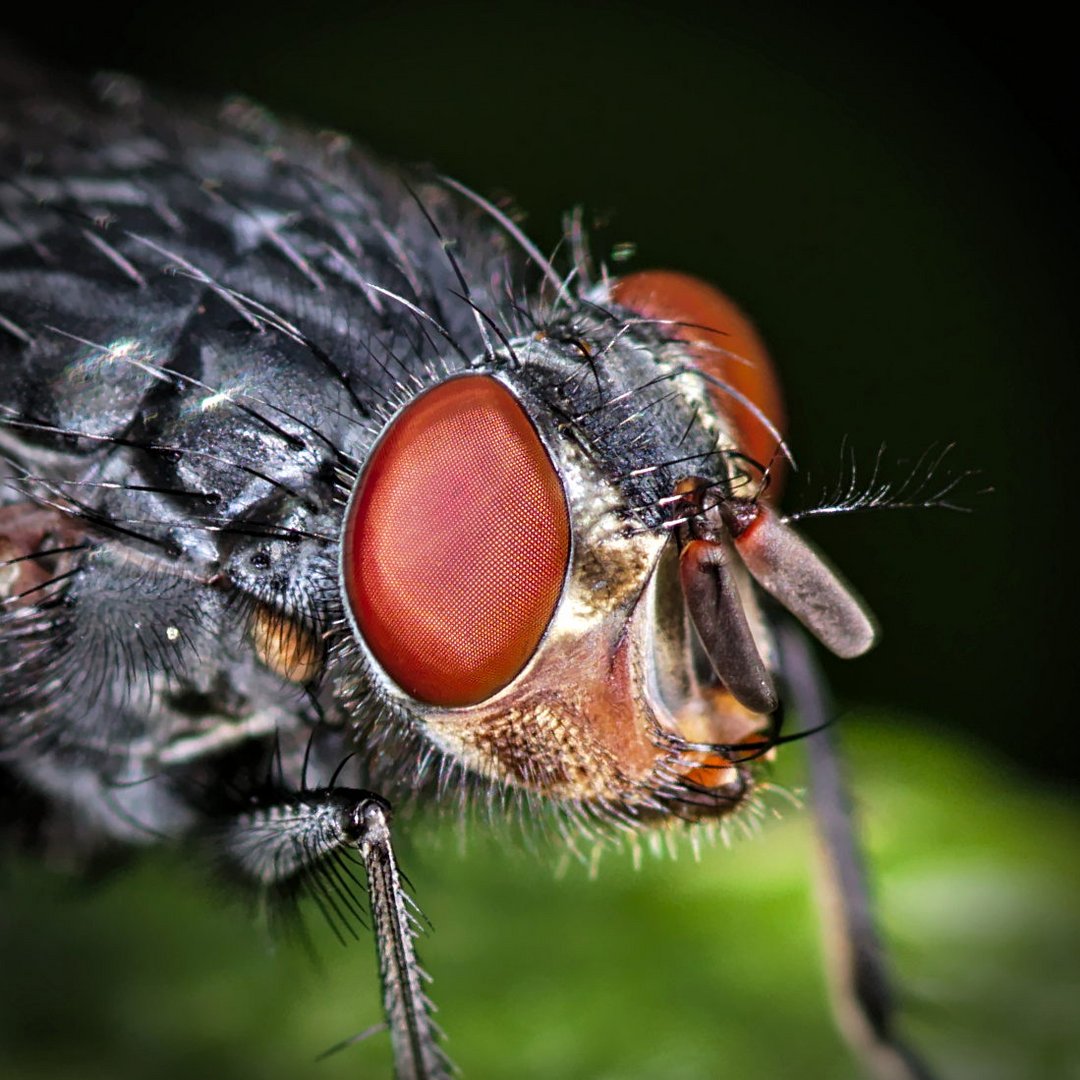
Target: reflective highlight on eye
x,y
457,543
732,350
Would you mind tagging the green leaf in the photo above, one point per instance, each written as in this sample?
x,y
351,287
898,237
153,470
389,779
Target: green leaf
x,y
682,969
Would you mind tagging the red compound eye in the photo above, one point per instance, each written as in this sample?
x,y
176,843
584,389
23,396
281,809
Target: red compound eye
x,y
456,543
735,355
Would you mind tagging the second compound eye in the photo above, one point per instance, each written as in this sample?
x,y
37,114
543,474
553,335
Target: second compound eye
x,y
726,348
456,543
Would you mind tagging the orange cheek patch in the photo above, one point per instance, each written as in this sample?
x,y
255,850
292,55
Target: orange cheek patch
x,y
732,351
457,543
713,772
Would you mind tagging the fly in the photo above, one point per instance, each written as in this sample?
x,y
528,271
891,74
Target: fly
x,y
324,492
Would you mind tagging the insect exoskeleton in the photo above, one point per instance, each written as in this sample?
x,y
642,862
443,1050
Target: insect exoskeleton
x,y
549,558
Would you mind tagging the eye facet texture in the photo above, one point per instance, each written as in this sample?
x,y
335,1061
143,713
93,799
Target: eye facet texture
x,y
731,350
456,543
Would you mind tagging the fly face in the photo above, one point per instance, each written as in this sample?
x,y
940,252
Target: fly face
x,y
550,559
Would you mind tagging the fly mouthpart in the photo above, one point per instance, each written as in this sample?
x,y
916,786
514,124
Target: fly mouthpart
x,y
702,723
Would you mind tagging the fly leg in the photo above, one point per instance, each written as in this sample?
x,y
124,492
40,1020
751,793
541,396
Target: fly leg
x,y
863,998
310,841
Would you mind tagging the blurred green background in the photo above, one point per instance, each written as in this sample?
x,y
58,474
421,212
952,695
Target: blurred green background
x,y
891,192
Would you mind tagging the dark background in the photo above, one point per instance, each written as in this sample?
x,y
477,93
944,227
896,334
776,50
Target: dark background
x,y
890,192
